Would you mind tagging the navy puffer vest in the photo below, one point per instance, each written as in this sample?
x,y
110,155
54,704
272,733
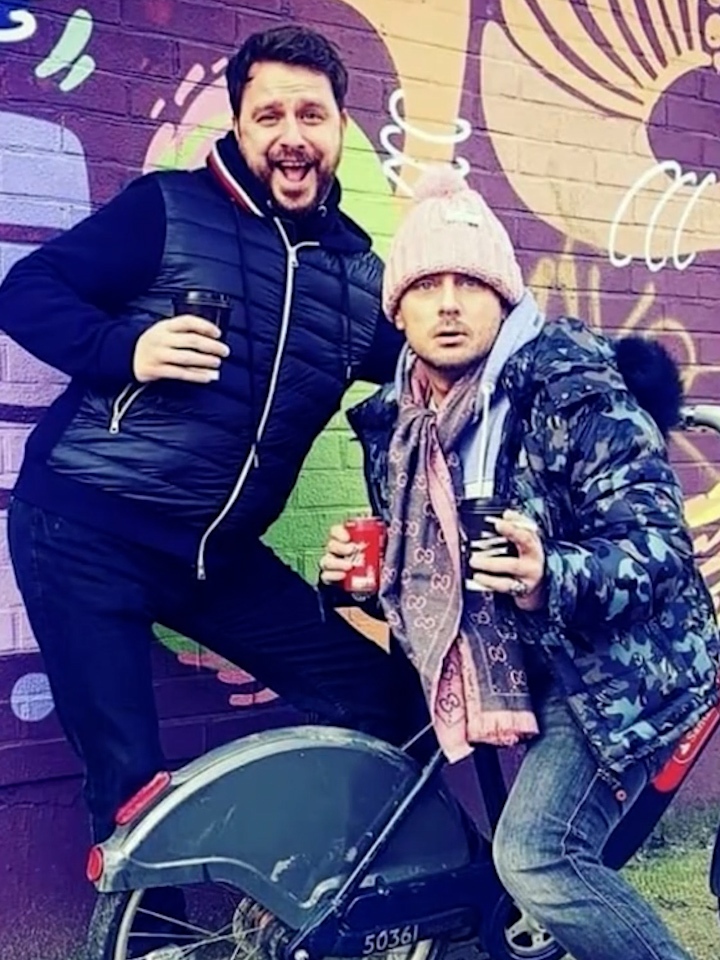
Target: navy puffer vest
x,y
221,459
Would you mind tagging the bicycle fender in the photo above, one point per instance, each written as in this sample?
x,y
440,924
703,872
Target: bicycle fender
x,y
284,815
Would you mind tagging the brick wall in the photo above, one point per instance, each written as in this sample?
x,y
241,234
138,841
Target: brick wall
x,y
591,128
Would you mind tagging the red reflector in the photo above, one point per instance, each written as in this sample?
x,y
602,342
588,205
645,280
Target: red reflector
x,y
142,799
95,864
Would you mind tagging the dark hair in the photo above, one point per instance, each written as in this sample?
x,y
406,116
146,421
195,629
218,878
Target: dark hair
x,y
297,46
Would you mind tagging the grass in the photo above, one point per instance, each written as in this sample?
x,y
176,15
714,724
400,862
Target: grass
x,y
676,884
671,872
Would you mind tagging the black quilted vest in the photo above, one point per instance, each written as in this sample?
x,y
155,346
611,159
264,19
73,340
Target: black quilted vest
x,y
221,459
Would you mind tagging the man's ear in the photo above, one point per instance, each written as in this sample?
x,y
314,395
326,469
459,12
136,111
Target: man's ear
x,y
344,118
399,320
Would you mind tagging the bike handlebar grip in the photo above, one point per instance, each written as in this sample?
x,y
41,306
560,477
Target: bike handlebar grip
x,y
700,415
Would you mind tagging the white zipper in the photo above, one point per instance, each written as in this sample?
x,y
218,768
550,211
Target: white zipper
x,y
122,403
252,459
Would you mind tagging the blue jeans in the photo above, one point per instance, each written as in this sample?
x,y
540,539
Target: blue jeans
x,y
549,842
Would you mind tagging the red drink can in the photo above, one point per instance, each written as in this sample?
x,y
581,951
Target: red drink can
x,y
368,535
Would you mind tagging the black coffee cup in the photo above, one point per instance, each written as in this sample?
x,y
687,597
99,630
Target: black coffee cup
x,y
481,533
208,304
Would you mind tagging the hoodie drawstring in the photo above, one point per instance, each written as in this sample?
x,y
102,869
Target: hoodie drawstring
x,y
487,388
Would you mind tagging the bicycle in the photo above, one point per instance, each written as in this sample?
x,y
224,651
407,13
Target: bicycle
x,y
314,842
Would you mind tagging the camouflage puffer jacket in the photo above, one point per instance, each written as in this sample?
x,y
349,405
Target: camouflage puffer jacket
x,y
629,630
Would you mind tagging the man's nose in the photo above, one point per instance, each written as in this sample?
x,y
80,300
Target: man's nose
x,y
449,305
291,135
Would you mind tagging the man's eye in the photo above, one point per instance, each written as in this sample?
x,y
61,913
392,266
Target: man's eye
x,y
313,116
471,282
267,118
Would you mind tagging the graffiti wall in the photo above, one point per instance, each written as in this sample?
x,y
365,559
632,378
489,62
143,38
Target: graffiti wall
x,y
590,125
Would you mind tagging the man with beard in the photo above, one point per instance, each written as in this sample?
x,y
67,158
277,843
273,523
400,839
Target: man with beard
x,y
147,486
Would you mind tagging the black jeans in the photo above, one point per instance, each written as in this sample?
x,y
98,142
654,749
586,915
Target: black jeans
x,y
92,600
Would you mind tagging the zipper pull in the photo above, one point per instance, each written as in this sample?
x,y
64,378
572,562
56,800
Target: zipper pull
x,y
114,424
201,569
293,258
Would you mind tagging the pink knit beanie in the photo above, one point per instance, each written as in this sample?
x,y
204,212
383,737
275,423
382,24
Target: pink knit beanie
x,y
450,229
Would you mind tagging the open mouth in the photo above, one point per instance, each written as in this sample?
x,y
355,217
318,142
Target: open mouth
x,y
294,172
450,337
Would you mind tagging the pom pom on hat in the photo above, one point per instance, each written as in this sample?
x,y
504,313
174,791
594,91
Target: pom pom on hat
x,y
439,181
450,229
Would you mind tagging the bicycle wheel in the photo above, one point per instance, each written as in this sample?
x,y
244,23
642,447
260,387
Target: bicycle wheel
x,y
219,923
510,934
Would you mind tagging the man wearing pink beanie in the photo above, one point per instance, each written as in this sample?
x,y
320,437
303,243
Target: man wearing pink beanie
x,y
576,621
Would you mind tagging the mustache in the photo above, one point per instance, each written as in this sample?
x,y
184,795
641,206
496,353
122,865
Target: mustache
x,y
292,156
445,327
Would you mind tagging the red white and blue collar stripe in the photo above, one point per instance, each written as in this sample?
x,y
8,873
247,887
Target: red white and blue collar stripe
x,y
230,183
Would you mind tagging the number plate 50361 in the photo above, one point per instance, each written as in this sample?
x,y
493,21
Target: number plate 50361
x,y
390,939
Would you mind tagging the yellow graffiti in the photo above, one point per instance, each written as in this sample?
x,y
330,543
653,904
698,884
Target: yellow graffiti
x,y
625,83
703,515
566,286
413,32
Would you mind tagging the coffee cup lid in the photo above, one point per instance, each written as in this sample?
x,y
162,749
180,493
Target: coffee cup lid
x,y
471,504
204,297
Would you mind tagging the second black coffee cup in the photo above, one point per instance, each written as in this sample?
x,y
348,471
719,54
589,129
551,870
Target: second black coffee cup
x,y
481,533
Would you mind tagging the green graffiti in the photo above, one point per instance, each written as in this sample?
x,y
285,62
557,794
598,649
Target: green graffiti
x,y
367,194
181,154
68,53
175,642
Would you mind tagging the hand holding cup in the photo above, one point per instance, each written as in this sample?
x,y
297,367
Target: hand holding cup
x,y
520,572
186,346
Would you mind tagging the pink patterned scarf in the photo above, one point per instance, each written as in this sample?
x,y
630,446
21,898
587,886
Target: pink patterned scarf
x,y
469,656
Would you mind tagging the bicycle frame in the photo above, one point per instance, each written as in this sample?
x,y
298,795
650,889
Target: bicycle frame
x,y
371,850
440,906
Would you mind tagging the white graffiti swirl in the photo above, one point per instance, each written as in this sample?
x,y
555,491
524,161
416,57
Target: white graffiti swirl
x,y
26,25
399,126
678,180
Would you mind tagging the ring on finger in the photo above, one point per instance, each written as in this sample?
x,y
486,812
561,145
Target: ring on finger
x,y
518,588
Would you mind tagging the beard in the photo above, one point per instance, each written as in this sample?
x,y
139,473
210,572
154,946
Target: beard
x,y
298,180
